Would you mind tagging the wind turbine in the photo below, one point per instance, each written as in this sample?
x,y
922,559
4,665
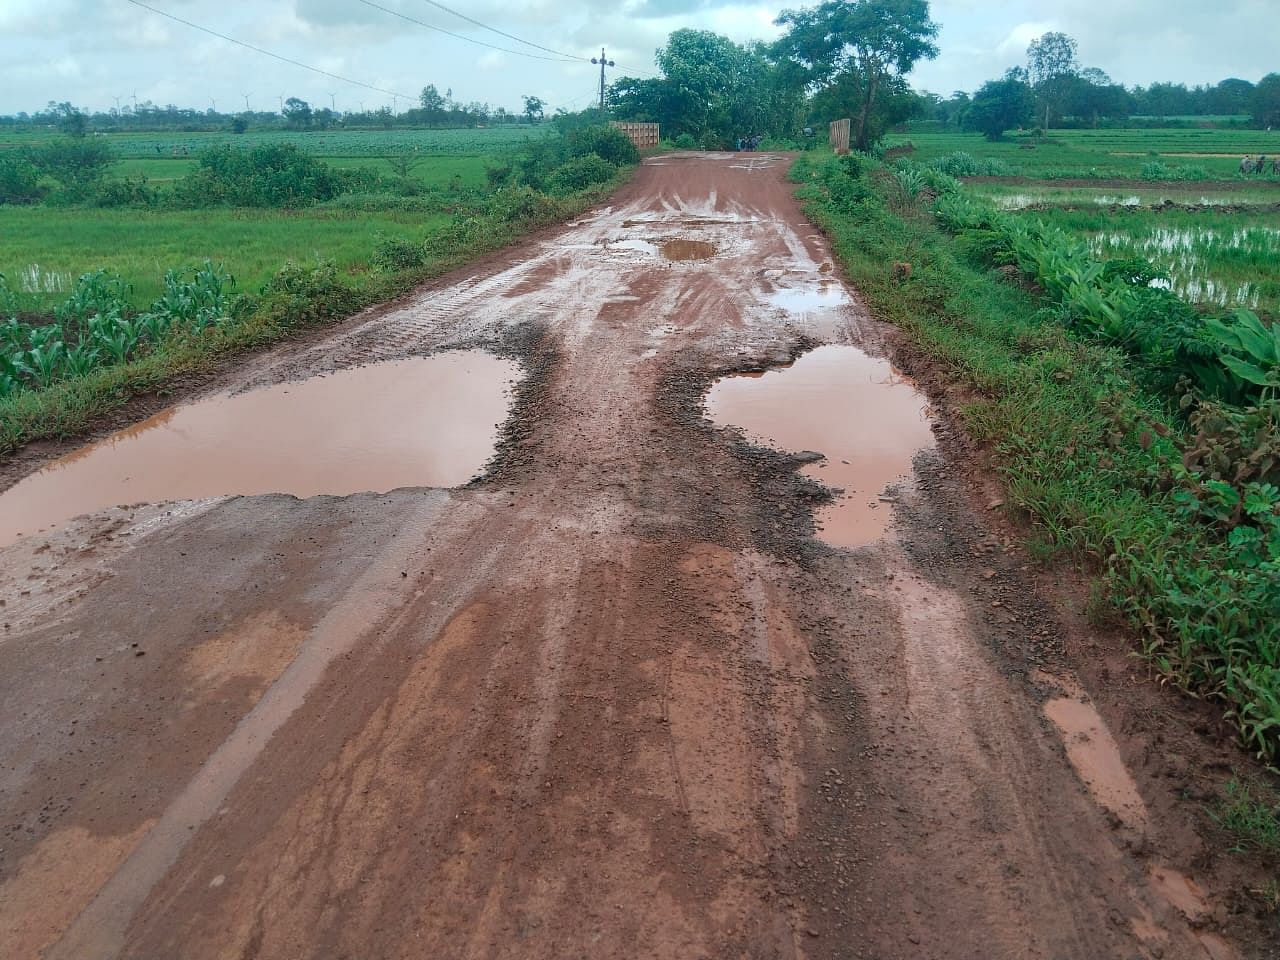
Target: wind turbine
x,y
246,101
333,104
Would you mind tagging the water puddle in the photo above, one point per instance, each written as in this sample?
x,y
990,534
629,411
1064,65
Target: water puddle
x,y
864,417
426,421
674,250
823,295
1096,759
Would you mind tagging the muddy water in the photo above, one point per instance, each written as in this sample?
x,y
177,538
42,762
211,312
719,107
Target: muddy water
x,y
1096,758
856,410
669,249
427,421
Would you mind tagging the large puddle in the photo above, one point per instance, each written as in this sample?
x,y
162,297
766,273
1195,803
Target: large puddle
x,y
427,421
856,410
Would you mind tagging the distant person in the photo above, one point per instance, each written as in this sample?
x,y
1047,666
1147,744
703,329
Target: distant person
x,y
1246,164
1275,165
1262,158
739,142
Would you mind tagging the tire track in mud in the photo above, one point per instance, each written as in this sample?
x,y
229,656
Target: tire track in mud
x,y
613,700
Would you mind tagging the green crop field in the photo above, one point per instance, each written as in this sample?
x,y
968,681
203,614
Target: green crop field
x,y
43,251
325,143
1175,197
1104,154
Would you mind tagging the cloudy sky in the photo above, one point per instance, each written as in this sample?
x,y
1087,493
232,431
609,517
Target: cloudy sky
x,y
92,52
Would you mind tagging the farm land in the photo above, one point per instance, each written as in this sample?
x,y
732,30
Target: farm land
x,y
45,248
1175,197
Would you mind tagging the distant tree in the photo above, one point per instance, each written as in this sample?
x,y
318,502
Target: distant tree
x,y
1052,65
1091,95
1266,101
1231,96
69,119
239,125
404,160
297,113
434,105
533,108
1001,105
859,47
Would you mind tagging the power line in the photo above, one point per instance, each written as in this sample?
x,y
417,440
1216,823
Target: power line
x,y
503,33
460,36
274,56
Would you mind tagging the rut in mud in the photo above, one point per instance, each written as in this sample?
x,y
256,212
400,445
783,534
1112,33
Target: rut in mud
x,y
614,701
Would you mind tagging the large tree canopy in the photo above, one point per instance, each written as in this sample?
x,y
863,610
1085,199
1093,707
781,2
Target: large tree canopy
x,y
858,52
1000,105
712,89
1053,67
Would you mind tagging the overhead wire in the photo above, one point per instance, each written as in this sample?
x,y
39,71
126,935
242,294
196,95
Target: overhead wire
x,y
268,53
559,58
503,33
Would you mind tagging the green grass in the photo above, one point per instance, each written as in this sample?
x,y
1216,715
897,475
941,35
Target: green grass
x,y
1119,154
142,244
322,143
431,171
1252,815
1076,437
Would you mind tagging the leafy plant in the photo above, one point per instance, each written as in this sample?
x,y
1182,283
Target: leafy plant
x,y
1251,351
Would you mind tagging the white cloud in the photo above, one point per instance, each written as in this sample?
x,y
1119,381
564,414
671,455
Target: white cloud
x,y
98,48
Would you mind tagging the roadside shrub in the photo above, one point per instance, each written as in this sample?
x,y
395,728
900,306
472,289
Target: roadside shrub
x,y
686,142
270,175
392,254
961,164
76,165
520,203
498,174
607,142
123,193
580,173
307,293
19,179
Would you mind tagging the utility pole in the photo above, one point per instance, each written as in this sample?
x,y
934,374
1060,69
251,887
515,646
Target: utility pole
x,y
603,63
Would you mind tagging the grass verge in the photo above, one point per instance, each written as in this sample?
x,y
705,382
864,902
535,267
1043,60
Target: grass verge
x,y
1079,443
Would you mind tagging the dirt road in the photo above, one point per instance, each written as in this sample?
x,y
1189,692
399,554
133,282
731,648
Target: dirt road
x,y
612,701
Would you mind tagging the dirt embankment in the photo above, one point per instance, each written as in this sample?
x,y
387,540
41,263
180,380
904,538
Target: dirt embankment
x,y
612,701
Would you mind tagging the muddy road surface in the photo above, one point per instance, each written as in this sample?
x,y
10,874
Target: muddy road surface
x,y
617,698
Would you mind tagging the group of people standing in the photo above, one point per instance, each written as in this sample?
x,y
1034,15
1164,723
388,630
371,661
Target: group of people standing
x,y
1250,165
750,143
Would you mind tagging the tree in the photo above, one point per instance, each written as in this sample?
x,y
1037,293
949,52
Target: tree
x,y
1230,97
297,113
1001,105
1266,101
533,108
859,47
1052,65
434,105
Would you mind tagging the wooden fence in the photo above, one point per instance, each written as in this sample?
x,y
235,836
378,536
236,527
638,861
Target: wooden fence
x,y
839,136
643,135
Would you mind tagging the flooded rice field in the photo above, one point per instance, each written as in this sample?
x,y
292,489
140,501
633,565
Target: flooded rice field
x,y
1025,197
867,420
1214,265
425,421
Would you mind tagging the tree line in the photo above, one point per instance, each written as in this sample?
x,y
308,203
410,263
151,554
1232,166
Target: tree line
x,y
1053,89
433,109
